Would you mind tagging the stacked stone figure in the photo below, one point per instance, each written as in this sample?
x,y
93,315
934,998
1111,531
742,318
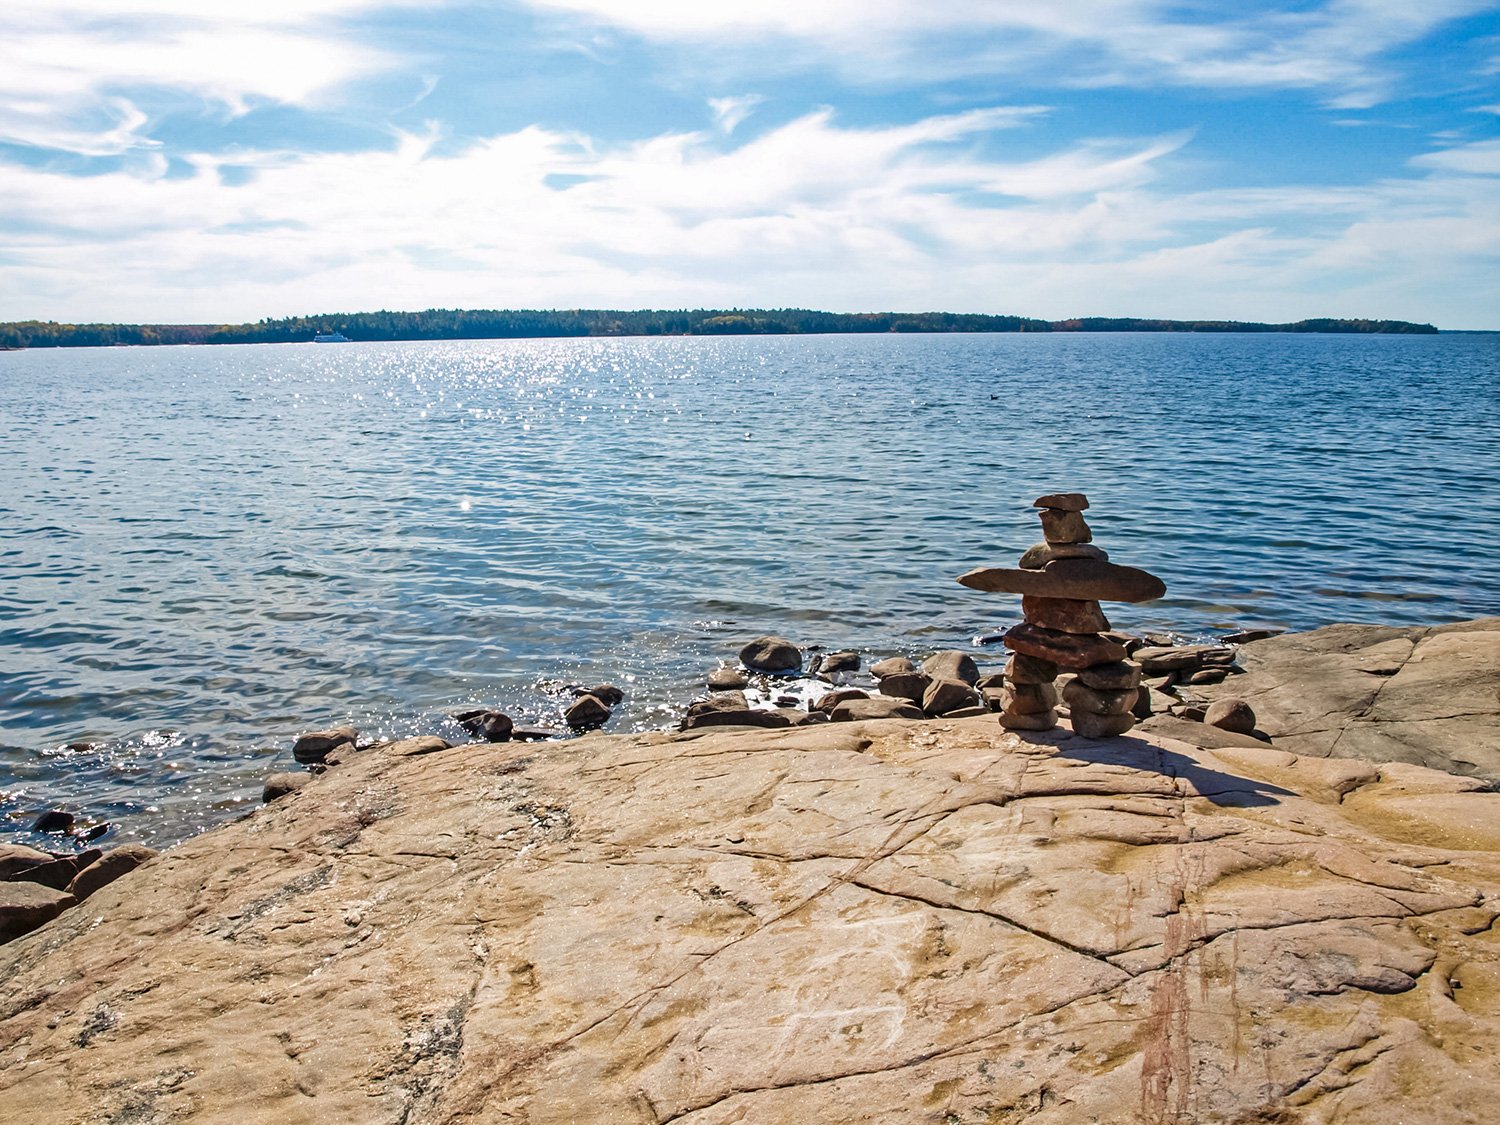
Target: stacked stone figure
x,y
1061,582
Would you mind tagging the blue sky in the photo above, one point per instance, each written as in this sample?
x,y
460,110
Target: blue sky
x,y
170,160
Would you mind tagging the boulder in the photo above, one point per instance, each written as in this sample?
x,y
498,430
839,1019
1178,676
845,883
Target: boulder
x,y
829,700
1209,676
727,679
1065,615
607,694
877,707
281,784
25,906
1028,699
839,662
736,718
771,654
16,858
991,680
952,664
1059,525
893,666
587,712
314,746
1080,697
1066,650
1032,721
910,686
415,747
487,725
55,822
59,870
109,867
1067,501
1038,556
1081,579
1088,724
1232,715
945,696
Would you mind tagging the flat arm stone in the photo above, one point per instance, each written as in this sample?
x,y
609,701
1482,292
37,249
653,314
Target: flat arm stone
x,y
1078,579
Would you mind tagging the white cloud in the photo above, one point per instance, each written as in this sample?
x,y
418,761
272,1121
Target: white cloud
x,y
730,113
1482,158
811,213
67,67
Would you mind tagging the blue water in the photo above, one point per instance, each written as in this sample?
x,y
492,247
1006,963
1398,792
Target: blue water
x,y
205,550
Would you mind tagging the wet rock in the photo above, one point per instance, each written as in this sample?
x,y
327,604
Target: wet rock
x,y
55,822
16,858
1066,501
1037,557
894,666
1080,697
1066,650
771,654
534,734
1062,526
910,686
952,664
1023,669
1232,715
727,679
878,707
843,661
945,696
1066,615
280,784
26,906
1245,636
92,832
107,868
607,694
486,725
1082,579
1029,699
1091,725
720,701
829,700
1112,677
314,746
587,712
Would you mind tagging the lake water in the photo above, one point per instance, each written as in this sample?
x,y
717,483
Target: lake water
x,y
206,550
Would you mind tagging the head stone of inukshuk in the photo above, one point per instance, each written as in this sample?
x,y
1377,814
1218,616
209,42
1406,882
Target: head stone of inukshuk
x,y
1061,582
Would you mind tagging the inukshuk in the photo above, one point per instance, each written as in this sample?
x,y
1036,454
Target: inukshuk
x,y
1061,583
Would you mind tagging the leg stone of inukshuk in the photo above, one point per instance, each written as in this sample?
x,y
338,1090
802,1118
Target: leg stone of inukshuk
x,y
1061,582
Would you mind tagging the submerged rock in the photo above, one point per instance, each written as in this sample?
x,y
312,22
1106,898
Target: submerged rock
x,y
317,745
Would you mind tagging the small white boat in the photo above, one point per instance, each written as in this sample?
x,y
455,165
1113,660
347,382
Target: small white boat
x,y
330,338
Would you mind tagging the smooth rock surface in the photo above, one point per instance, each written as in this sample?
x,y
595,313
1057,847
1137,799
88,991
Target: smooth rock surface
x,y
900,922
1082,579
945,696
877,707
279,785
771,654
727,679
315,745
891,666
1038,556
1231,714
1429,696
1066,615
109,867
23,908
910,686
1066,650
952,664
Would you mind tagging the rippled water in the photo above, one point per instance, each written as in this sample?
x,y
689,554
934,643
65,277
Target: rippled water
x,y
206,550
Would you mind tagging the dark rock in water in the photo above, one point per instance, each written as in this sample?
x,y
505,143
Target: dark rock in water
x,y
1066,615
1023,669
832,699
1029,699
727,679
894,666
1038,556
58,871
1067,501
771,654
910,686
879,707
15,858
1245,636
1232,715
943,696
1083,579
735,718
26,906
952,664
490,726
839,662
107,868
1080,697
315,745
534,734
587,712
1066,650
607,694
1112,677
989,638
1062,526
53,821
1091,725
280,784
1041,720
92,832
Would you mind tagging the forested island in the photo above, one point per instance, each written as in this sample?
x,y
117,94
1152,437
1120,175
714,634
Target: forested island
x,y
489,324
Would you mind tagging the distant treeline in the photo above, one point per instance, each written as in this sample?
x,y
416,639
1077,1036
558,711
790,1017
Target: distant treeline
x,y
478,324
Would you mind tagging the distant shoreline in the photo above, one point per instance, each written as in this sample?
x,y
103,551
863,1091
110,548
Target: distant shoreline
x,y
527,324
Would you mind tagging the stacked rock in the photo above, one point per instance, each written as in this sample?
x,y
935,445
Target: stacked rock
x,y
1061,582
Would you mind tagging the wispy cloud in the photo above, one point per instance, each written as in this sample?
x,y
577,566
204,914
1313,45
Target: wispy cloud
x,y
729,113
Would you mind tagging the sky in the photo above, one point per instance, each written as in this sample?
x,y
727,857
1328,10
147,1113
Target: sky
x,y
179,161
